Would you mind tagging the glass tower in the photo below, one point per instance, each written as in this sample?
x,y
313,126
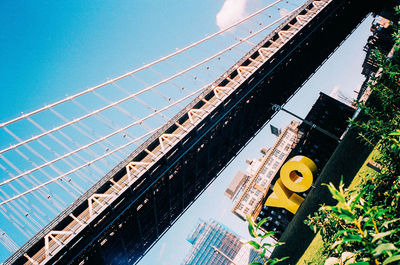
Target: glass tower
x,y
215,244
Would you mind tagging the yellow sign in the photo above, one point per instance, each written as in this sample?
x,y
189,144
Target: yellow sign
x,y
296,176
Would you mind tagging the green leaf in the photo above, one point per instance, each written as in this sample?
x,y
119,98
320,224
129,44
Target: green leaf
x,y
391,259
352,238
356,199
255,263
252,231
276,260
267,245
336,194
267,234
336,243
261,223
387,223
254,244
360,263
249,220
262,254
341,232
382,235
346,215
395,133
383,248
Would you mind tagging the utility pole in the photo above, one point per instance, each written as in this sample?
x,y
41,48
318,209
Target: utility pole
x,y
278,108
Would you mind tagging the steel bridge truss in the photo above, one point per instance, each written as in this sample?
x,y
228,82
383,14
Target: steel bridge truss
x,y
129,209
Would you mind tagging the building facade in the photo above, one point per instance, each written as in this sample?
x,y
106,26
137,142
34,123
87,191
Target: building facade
x,y
328,114
252,187
215,244
249,191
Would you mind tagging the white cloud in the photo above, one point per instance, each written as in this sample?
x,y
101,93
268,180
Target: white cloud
x,y
231,12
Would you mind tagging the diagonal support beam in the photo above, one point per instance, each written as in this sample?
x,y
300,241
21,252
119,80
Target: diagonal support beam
x,y
285,35
34,262
266,52
132,166
51,236
319,4
76,219
95,198
220,91
302,19
194,113
166,137
243,71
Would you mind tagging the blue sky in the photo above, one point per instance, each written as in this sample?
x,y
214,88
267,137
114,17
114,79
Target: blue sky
x,y
341,73
55,48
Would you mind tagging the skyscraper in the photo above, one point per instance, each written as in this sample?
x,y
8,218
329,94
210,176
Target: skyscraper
x,y
215,244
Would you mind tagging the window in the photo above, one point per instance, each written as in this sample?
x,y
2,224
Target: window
x,y
258,193
276,152
240,207
281,156
276,164
252,201
246,210
246,197
258,180
264,183
264,170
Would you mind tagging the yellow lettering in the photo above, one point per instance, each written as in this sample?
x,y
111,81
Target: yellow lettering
x,y
297,173
284,198
296,176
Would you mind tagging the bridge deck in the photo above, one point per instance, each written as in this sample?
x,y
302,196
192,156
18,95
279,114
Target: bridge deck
x,y
119,219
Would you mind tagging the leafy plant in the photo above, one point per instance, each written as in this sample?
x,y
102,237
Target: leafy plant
x,y
369,230
365,224
260,242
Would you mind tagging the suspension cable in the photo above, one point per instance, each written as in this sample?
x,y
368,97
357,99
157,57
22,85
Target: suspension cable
x,y
137,69
127,144
143,90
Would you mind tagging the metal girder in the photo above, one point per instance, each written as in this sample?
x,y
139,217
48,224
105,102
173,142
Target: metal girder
x,y
51,236
254,93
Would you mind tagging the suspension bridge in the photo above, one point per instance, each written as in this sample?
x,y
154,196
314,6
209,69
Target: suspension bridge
x,y
99,176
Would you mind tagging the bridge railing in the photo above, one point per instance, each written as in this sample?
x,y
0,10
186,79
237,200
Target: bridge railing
x,y
231,83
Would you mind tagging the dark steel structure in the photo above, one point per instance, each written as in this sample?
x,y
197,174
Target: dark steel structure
x,y
142,213
328,114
